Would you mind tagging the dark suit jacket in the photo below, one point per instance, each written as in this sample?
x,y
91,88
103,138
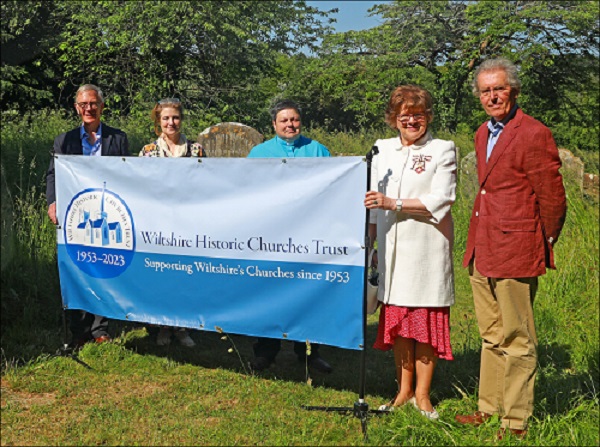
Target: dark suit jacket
x,y
520,208
114,142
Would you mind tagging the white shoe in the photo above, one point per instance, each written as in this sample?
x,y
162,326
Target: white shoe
x,y
431,415
391,407
185,339
164,337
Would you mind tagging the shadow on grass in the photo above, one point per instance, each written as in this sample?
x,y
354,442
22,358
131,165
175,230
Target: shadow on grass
x,y
557,386
453,379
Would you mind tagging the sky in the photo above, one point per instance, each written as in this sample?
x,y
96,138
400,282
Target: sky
x,y
352,14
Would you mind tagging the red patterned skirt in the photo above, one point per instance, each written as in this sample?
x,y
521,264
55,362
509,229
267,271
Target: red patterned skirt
x,y
429,325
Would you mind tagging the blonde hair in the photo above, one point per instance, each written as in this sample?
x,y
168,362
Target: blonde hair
x,y
171,103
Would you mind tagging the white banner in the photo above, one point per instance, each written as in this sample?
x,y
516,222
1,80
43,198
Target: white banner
x,y
265,247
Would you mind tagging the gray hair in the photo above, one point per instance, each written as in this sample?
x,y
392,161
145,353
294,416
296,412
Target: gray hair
x,y
88,87
283,105
501,63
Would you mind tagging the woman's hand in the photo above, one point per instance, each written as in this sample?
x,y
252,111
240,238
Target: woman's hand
x,y
376,200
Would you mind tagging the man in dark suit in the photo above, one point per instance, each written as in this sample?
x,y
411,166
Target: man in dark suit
x,y
92,138
517,217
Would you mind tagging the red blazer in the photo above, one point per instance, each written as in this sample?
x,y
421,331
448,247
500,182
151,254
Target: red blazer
x,y
520,208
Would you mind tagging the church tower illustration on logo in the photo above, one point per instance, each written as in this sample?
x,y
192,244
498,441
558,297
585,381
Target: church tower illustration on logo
x,y
97,230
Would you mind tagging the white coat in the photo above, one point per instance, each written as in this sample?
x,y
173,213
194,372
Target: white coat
x,y
415,252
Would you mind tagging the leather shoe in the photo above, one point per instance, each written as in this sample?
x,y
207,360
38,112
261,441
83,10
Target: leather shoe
x,y
259,363
319,364
475,419
517,433
103,339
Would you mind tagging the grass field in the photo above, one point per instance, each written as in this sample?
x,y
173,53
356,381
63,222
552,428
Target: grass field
x,y
132,392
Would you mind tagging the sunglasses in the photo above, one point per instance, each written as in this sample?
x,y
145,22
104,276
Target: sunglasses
x,y
169,101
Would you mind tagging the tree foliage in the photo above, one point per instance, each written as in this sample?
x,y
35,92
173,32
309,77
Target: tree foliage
x,y
26,68
228,60
438,44
211,54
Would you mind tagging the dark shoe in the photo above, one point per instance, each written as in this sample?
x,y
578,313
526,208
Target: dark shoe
x,y
475,419
103,339
517,433
259,363
319,364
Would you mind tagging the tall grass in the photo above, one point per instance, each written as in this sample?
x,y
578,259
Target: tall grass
x,y
137,393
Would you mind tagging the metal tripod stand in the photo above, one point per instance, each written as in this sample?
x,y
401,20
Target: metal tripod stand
x,y
361,407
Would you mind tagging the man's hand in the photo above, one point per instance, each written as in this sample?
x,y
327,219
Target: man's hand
x,y
52,213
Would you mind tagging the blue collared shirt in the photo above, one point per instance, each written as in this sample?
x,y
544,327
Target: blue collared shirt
x,y
495,131
279,148
91,149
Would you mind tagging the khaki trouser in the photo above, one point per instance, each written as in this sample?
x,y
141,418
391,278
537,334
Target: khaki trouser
x,y
504,309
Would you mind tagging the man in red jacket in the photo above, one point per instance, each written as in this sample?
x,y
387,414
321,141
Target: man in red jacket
x,y
517,217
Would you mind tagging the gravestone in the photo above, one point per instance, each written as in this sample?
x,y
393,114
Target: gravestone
x,y
469,184
229,140
591,185
572,167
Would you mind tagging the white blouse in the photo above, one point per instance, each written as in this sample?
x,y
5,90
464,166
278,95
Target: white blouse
x,y
415,252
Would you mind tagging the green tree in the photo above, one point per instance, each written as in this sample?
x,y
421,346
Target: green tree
x,y
555,44
27,34
211,54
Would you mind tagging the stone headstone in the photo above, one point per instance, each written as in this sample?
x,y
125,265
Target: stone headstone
x,y
572,167
591,185
229,140
469,184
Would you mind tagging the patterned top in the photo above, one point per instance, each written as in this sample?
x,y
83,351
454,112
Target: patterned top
x,y
185,148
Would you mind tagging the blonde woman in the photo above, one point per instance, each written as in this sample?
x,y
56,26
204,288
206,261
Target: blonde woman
x,y
167,115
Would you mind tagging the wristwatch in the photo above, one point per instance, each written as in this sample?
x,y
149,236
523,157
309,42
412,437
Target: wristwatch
x,y
398,205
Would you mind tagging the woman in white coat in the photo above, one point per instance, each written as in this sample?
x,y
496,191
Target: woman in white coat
x,y
413,184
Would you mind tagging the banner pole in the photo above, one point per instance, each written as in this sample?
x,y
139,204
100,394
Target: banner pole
x,y
361,407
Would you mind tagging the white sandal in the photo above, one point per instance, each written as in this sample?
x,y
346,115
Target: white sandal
x,y
431,415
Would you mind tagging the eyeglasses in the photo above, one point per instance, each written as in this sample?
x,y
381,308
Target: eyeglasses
x,y
406,118
169,101
498,90
91,105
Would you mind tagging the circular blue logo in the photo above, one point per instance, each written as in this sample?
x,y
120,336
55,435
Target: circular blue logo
x,y
99,233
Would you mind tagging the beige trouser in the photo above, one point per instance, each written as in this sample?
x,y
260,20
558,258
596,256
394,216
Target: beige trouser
x,y
504,309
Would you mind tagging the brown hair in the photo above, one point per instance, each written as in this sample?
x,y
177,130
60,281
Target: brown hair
x,y
411,96
172,103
